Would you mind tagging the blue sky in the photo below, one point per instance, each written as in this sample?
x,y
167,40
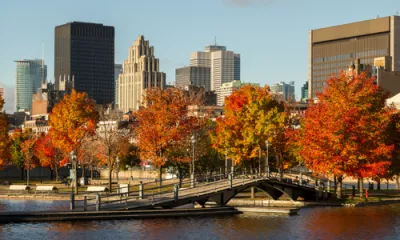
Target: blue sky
x,y
270,35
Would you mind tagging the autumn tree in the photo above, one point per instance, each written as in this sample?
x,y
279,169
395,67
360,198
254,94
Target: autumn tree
x,y
71,120
47,154
28,153
164,127
251,117
343,134
4,139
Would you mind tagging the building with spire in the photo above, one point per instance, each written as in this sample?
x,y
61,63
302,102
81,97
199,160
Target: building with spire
x,y
224,66
140,71
28,78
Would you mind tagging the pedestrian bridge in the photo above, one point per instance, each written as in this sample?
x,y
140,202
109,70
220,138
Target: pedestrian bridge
x,y
218,189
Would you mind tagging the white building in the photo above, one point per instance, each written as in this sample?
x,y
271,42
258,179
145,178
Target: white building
x,y
140,72
285,90
227,89
117,71
224,65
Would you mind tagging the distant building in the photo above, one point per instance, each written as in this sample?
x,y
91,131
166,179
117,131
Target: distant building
x,y
37,126
117,71
48,96
285,90
196,76
28,78
141,71
84,53
228,88
332,49
224,65
304,92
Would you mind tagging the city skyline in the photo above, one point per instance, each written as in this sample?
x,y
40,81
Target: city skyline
x,y
259,51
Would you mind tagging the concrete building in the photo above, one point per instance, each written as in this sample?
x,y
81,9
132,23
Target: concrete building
x,y
28,78
47,96
117,71
304,92
224,65
332,49
286,91
84,53
141,71
227,89
195,76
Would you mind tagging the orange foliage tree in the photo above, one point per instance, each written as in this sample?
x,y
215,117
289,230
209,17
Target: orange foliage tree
x,y
164,127
344,133
47,154
4,139
251,117
71,120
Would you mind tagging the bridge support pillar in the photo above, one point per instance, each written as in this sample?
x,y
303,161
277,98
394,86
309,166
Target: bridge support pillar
x,y
252,194
176,192
141,190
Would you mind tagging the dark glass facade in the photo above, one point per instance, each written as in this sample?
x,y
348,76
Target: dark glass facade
x,y
85,52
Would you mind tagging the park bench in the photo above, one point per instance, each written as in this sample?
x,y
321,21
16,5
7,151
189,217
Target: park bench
x,y
97,189
19,188
46,189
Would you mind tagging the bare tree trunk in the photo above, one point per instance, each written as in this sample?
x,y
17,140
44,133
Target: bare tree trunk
x,y
91,172
335,183
397,182
76,177
110,179
56,170
360,187
378,184
160,176
387,184
339,187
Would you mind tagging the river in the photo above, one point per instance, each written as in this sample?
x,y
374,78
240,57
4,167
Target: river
x,y
376,222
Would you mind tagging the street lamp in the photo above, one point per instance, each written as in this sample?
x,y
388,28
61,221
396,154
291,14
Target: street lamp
x,y
267,144
193,140
73,172
117,159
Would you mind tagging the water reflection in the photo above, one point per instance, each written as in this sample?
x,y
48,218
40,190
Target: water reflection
x,y
380,222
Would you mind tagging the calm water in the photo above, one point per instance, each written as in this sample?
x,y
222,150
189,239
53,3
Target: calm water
x,y
381,222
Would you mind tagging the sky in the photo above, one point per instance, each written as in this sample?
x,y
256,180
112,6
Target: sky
x,y
270,35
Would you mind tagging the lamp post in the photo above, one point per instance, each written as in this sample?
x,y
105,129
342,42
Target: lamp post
x,y
117,160
193,140
73,172
267,144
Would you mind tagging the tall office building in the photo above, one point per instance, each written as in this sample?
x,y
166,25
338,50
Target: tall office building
x,y
224,65
84,53
285,90
28,78
141,71
332,49
304,92
117,71
193,76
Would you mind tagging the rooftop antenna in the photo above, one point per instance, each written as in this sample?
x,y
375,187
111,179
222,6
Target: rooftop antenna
x,y
215,41
396,13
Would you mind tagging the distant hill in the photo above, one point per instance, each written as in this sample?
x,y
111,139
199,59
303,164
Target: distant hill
x,y
8,98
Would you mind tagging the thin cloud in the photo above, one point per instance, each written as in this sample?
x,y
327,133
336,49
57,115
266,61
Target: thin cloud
x,y
247,3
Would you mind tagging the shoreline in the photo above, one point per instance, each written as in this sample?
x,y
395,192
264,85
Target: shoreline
x,y
236,202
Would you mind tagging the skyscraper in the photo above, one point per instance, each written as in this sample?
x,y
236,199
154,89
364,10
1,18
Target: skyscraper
x,y
285,90
117,71
224,65
333,49
304,92
195,76
28,78
84,53
141,71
